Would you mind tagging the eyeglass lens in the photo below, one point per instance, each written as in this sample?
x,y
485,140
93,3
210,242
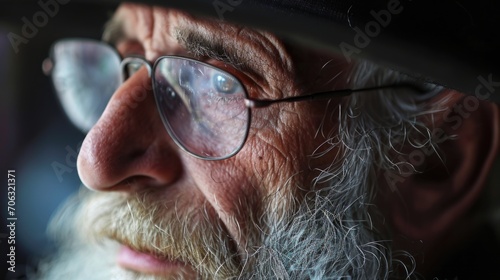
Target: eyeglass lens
x,y
85,76
202,107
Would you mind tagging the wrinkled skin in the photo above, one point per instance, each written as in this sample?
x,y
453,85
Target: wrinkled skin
x,y
129,150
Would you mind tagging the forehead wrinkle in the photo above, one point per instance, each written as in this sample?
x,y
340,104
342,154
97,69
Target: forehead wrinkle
x,y
150,26
131,22
136,21
165,41
143,30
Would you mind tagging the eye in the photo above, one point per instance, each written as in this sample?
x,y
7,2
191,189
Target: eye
x,y
225,84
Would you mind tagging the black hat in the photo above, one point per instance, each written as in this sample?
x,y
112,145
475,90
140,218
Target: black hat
x,y
451,43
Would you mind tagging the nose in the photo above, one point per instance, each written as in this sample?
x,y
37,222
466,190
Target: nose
x,y
129,147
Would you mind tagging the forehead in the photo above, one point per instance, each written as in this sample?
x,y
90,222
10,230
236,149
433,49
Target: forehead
x,y
268,66
160,31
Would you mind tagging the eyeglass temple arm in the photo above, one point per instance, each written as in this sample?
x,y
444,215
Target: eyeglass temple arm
x,y
261,103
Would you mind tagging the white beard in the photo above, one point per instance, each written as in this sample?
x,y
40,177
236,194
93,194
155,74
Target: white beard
x,y
329,236
78,257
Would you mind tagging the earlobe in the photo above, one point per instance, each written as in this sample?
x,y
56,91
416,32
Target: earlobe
x,y
428,204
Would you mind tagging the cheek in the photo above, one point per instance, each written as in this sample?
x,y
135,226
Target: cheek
x,y
275,160
275,155
296,143
235,196
230,186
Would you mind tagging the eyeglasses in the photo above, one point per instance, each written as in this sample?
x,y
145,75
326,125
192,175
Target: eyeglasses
x,y
205,110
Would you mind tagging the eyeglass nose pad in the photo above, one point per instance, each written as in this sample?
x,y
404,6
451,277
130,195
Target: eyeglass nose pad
x,y
47,66
132,64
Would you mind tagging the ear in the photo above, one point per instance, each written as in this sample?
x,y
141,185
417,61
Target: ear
x,y
423,207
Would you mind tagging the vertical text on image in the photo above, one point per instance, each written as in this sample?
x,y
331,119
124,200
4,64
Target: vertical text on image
x,y
11,219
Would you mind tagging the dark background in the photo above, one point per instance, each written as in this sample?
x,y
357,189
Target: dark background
x,y
36,138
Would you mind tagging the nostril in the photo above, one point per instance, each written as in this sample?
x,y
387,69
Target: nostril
x,y
136,184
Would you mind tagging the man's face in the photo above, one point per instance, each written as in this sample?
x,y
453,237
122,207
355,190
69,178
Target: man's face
x,y
171,213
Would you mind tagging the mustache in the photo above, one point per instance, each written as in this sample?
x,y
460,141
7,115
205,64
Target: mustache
x,y
164,229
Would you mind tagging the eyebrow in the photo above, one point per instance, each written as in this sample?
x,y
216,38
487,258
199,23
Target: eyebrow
x,y
198,44
113,31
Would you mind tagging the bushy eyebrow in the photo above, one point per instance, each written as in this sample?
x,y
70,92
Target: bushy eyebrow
x,y
198,44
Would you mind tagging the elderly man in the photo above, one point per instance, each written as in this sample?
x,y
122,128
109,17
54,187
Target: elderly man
x,y
216,151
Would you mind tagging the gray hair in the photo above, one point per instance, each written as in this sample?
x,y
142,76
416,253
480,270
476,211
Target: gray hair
x,y
332,235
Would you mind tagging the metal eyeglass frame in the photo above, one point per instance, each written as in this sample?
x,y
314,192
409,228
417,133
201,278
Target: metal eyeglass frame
x,y
250,103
